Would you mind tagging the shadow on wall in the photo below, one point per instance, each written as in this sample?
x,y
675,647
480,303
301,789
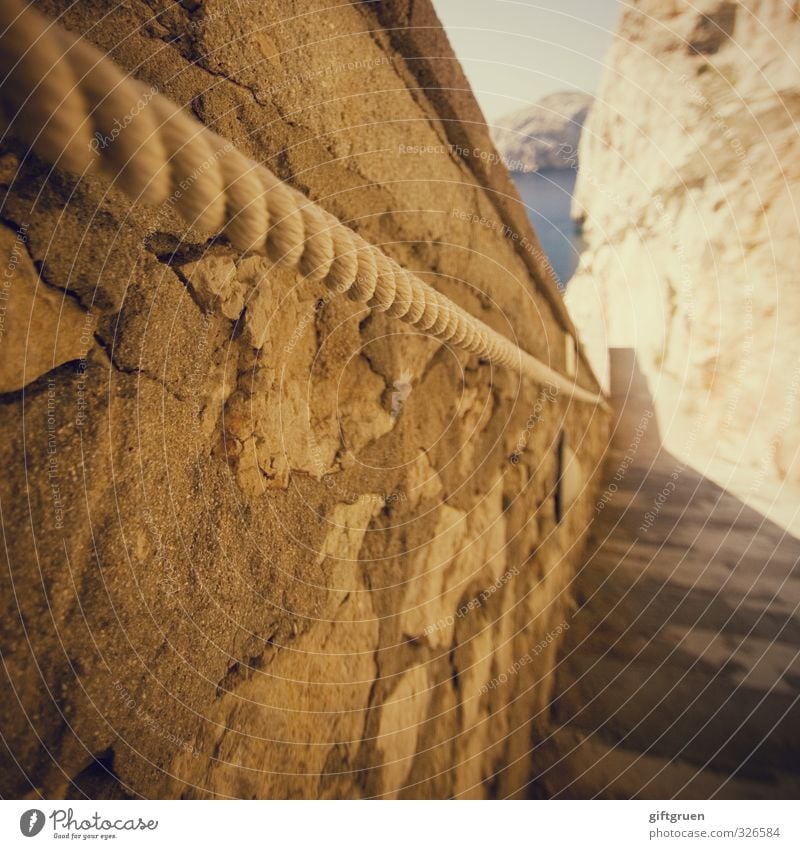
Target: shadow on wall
x,y
680,675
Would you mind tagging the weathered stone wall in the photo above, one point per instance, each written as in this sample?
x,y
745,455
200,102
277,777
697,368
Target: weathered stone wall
x,y
688,187
257,541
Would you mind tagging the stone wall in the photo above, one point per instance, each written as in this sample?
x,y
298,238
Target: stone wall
x,y
688,189
257,541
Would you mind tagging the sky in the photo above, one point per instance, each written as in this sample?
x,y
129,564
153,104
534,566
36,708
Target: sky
x,y
514,52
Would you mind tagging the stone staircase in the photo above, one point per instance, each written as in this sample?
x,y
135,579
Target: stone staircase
x,y
679,677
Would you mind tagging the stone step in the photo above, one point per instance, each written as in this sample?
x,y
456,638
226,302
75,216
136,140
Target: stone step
x,y
680,668
573,765
680,709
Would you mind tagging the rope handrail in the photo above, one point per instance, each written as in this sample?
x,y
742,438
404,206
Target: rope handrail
x,y
79,111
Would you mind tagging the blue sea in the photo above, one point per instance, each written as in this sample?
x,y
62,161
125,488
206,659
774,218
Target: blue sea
x,y
547,196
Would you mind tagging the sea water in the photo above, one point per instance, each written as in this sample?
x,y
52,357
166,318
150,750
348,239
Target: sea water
x,y
547,196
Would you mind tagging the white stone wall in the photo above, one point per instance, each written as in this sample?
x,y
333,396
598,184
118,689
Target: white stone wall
x,y
688,190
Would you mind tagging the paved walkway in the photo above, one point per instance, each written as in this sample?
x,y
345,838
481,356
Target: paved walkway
x,y
680,676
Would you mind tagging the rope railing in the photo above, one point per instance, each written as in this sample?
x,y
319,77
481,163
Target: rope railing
x,y
80,112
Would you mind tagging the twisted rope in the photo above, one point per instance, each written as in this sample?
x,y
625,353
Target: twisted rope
x,y
79,111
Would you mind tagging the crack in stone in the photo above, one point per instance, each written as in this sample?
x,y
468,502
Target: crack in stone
x,y
106,347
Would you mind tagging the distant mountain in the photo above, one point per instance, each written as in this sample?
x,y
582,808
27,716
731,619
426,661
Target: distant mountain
x,y
545,134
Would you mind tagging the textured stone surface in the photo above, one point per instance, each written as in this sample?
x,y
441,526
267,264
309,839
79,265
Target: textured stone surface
x,y
40,328
237,517
688,190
